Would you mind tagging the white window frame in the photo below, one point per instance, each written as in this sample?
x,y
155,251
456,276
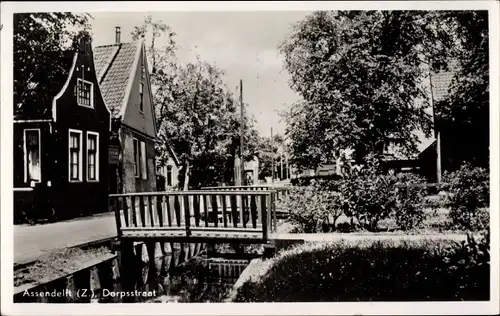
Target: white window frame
x,y
141,96
144,161
25,148
91,93
80,156
96,157
171,174
137,159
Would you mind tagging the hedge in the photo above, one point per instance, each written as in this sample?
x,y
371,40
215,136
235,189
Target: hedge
x,y
373,271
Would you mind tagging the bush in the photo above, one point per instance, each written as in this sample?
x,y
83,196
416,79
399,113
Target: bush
x,y
409,212
369,196
377,271
469,197
313,208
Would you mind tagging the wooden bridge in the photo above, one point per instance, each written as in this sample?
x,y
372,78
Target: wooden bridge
x,y
224,214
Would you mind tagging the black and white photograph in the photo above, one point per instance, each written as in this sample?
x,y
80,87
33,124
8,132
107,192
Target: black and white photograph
x,y
250,152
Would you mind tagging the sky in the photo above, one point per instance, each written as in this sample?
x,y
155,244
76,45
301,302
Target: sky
x,y
244,44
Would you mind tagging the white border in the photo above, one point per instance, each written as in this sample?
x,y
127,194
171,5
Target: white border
x,y
25,155
97,145
80,165
373,308
91,106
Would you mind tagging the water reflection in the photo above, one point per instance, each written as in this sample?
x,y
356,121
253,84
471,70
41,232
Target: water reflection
x,y
200,279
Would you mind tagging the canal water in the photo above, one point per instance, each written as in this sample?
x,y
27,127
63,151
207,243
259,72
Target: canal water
x,y
199,279
171,278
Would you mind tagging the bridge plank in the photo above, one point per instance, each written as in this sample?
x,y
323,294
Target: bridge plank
x,y
253,210
196,207
134,211
150,207
234,211
159,210
177,210
224,218
187,213
215,211
259,209
142,211
243,210
168,210
265,210
205,210
125,210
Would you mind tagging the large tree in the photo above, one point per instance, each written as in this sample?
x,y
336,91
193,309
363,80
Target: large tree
x,y
41,41
196,113
202,122
360,75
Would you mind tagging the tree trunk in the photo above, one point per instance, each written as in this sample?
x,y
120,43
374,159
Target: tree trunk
x,y
186,176
359,154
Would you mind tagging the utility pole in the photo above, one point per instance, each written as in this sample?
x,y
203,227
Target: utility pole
x,y
436,132
281,162
242,161
272,156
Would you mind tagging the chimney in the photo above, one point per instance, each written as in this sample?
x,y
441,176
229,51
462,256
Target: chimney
x,y
118,32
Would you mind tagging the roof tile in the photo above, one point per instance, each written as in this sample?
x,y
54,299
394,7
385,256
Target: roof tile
x,y
113,64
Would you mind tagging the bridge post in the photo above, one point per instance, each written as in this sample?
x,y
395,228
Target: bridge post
x,y
126,261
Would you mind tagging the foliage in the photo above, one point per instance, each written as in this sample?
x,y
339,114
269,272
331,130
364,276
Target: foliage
x,y
196,113
41,43
359,75
464,114
409,212
365,88
369,271
268,150
369,195
469,196
313,208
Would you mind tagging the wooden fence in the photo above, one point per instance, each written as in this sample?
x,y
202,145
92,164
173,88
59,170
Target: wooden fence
x,y
280,190
242,215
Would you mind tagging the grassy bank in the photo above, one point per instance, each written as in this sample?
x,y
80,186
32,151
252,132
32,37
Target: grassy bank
x,y
372,271
57,264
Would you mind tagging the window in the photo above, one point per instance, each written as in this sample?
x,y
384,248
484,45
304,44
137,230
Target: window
x,y
169,175
75,155
32,163
141,93
92,156
136,157
144,169
84,93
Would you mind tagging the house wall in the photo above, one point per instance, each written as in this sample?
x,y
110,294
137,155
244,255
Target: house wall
x,y
30,202
175,173
131,183
141,121
83,197
45,152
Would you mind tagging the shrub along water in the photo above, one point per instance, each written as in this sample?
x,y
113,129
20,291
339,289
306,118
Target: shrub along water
x,y
469,197
374,271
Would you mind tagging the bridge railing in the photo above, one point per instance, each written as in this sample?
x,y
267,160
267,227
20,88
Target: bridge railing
x,y
204,214
280,190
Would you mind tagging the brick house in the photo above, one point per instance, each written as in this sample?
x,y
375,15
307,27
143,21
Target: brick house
x,y
124,79
60,147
